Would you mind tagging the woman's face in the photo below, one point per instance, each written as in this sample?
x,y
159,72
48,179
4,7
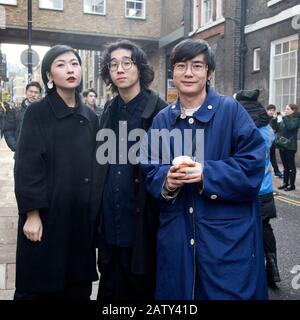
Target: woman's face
x,y
65,72
288,111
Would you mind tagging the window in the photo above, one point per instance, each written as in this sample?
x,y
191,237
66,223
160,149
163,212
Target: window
x,y
219,9
207,12
283,71
135,9
256,59
51,4
195,14
2,19
14,2
95,6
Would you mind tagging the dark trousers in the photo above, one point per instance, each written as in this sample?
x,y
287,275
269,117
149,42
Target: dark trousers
x,y
273,157
268,237
72,292
288,159
117,282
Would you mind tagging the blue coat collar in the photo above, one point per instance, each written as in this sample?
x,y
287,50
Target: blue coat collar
x,y
204,113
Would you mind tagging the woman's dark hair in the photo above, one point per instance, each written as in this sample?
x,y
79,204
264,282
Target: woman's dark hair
x,y
138,56
189,49
48,59
294,107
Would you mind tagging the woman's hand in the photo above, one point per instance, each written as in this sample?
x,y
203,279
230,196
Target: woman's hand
x,y
33,228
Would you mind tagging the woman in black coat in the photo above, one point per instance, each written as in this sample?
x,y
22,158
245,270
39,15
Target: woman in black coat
x,y
55,259
288,128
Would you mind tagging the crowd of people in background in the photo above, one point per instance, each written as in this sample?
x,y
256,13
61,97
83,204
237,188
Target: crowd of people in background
x,y
194,229
11,116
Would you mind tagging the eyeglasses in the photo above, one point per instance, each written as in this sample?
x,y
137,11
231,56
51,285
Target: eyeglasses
x,y
125,63
197,67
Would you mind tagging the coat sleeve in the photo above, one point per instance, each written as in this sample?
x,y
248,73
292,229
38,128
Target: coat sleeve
x,y
31,187
237,178
10,129
274,124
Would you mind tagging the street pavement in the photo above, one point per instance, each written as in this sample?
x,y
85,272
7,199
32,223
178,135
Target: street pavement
x,y
286,229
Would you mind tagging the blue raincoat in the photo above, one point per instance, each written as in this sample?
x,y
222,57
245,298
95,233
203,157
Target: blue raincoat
x,y
209,242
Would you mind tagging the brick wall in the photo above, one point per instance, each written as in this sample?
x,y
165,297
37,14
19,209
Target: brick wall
x,y
72,18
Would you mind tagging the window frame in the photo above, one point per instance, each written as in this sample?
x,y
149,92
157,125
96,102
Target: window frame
x,y
203,13
9,2
54,9
95,13
195,21
216,13
219,9
273,44
134,17
256,68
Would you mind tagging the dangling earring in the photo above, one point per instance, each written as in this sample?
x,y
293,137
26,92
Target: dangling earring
x,y
50,84
208,82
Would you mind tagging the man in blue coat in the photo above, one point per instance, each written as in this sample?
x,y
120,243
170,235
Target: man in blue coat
x,y
209,243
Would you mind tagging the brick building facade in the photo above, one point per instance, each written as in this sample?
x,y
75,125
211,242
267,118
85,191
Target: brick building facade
x,y
256,45
272,58
89,24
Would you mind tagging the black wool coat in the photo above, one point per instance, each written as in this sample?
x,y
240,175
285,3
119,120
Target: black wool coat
x,y
12,125
146,208
53,173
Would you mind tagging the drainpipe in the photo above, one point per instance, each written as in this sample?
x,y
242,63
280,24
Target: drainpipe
x,y
243,46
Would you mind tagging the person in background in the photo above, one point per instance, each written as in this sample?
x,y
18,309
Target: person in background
x,y
288,127
209,242
126,213
14,117
271,111
90,96
53,177
3,109
266,197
